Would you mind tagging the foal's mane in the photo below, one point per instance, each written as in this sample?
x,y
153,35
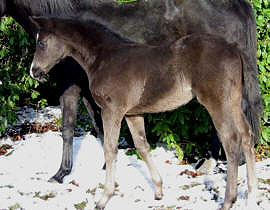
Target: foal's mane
x,y
92,24
89,29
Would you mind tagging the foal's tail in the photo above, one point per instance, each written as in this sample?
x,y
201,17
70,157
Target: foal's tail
x,y
252,100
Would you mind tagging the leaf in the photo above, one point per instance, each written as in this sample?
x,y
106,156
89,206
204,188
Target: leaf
x,y
81,206
16,206
35,94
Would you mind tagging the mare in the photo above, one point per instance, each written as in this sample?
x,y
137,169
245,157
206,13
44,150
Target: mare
x,y
73,81
128,79
153,22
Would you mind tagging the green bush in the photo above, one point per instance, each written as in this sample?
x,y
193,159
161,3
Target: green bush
x,y
262,14
16,86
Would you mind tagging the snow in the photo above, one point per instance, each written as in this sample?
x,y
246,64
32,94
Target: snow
x,y
46,115
25,171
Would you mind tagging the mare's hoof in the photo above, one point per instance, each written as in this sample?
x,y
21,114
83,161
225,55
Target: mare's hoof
x,y
55,180
104,166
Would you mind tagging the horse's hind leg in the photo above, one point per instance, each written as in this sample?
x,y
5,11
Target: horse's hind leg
x,y
136,127
248,149
95,115
69,103
231,141
111,125
230,137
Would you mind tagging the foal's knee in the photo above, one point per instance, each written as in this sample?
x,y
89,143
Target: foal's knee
x,y
231,143
247,140
110,151
142,145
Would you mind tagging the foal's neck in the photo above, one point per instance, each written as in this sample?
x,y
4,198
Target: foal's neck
x,y
83,56
91,40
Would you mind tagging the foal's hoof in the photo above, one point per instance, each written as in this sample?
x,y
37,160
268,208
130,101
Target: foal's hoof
x,y
99,207
226,206
158,196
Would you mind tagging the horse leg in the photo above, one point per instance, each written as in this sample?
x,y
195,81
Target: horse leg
x,y
136,127
216,146
248,149
222,116
69,103
111,125
94,112
231,141
95,115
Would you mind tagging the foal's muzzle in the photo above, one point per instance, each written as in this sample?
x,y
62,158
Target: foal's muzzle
x,y
38,74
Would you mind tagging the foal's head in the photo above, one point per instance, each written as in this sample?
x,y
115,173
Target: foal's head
x,y
50,49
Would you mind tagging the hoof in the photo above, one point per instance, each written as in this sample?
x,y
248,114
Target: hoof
x,y
226,206
55,180
99,207
104,167
158,196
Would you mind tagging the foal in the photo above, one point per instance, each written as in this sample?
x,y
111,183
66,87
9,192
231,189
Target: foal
x,y
128,79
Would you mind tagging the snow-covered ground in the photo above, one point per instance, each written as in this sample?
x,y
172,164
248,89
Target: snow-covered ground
x,y
25,169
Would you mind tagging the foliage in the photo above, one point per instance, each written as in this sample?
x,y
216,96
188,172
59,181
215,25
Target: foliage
x,y
81,206
186,126
262,14
125,1
16,85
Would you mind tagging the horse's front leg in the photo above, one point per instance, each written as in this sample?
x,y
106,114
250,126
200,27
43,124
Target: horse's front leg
x,y
69,103
111,124
136,127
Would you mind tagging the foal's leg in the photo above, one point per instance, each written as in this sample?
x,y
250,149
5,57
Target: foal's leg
x,y
248,149
111,125
231,141
95,115
223,120
69,103
136,127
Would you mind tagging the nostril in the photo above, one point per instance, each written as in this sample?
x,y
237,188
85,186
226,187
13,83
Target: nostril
x,y
34,71
41,74
37,73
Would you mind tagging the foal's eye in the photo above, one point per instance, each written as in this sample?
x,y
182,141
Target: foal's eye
x,y
42,44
